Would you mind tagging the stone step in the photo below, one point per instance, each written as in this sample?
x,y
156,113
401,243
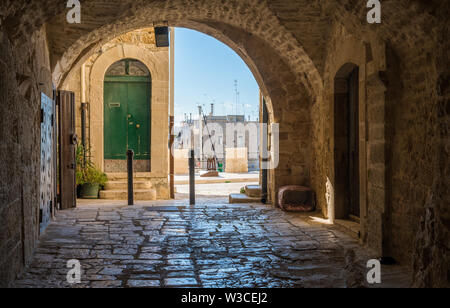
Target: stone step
x,y
253,191
241,198
141,195
123,176
123,185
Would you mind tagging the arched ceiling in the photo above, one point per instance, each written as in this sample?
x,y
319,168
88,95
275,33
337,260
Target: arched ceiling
x,y
102,21
296,31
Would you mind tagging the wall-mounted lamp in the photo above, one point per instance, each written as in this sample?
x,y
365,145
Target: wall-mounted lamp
x,y
162,36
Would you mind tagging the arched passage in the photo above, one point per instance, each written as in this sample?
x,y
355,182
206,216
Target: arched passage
x,y
417,31
287,97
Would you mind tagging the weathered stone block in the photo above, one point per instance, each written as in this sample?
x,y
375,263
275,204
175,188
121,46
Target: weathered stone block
x,y
296,199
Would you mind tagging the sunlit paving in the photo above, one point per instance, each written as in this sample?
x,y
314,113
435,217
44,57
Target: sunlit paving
x,y
212,244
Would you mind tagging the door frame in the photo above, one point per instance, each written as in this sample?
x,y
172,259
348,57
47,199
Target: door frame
x,y
342,96
159,71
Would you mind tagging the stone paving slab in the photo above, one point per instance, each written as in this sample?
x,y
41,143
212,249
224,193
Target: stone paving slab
x,y
213,244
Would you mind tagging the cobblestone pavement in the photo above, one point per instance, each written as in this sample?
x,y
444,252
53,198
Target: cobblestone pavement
x,y
213,244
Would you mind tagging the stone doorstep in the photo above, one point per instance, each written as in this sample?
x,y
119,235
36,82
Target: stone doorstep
x,y
351,226
217,181
253,191
140,176
123,185
241,198
140,194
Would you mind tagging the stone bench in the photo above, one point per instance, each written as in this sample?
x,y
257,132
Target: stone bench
x,y
296,199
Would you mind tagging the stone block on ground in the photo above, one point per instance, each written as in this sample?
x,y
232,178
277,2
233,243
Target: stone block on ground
x,y
236,160
296,199
210,174
253,191
241,198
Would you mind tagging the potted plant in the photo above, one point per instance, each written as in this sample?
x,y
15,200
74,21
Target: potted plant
x,y
89,178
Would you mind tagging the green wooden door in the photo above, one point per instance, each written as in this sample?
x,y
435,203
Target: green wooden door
x,y
127,116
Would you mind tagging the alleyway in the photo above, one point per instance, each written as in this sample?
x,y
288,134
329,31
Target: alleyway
x,y
213,244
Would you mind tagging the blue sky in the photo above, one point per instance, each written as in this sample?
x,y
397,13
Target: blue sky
x,y
205,71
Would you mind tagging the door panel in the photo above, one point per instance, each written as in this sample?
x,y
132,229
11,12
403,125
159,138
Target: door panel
x,y
67,149
139,119
127,117
115,127
354,144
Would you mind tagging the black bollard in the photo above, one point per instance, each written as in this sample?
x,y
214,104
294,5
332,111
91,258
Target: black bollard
x,y
130,155
192,178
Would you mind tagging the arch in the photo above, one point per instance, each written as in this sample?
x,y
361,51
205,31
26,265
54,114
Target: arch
x,y
250,16
227,35
159,73
122,68
370,57
248,27
288,96
343,57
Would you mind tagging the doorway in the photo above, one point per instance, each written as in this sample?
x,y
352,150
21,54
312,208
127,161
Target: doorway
x,y
346,142
127,115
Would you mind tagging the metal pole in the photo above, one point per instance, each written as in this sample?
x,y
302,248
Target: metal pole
x,y
264,150
130,155
192,178
172,158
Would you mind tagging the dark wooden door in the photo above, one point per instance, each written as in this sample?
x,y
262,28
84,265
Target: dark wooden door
x,y
139,121
353,93
66,149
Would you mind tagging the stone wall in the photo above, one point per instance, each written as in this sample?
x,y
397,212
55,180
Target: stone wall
x,y
181,157
402,120
345,50
24,74
236,160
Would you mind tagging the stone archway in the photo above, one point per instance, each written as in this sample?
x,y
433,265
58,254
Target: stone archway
x,y
288,98
158,67
370,57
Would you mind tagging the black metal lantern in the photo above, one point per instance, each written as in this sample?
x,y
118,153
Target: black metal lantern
x,y
162,36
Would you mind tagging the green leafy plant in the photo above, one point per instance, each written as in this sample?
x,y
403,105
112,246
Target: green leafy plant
x,y
87,172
